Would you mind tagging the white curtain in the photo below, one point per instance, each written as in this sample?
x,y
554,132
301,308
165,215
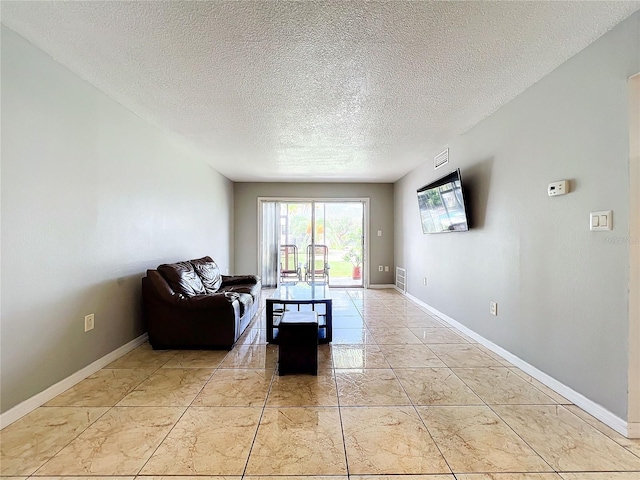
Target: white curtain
x,y
270,240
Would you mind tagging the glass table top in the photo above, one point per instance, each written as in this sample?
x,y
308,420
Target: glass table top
x,y
302,291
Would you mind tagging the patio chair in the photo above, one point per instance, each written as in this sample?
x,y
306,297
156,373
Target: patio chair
x,y
320,268
289,266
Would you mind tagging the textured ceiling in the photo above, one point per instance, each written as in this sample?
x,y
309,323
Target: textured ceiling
x,y
314,91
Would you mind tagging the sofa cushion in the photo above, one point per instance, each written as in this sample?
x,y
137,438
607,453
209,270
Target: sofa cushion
x,y
182,278
252,290
209,273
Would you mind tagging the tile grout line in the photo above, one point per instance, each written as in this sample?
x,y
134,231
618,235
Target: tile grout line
x,y
495,413
415,409
520,437
255,435
335,379
597,429
70,441
109,408
481,399
181,415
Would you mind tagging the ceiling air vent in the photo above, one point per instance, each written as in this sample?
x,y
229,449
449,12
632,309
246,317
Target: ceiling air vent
x,y
441,159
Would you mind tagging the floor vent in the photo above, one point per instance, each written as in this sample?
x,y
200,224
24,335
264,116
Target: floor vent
x,y
401,279
441,159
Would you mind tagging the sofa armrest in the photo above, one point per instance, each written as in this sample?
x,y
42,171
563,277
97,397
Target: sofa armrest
x,y
239,280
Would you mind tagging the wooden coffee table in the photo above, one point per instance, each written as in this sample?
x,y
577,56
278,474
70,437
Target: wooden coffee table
x,y
302,295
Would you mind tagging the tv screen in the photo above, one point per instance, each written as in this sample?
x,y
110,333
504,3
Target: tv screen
x,y
441,205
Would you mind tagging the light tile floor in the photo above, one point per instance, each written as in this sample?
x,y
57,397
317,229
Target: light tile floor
x,y
399,395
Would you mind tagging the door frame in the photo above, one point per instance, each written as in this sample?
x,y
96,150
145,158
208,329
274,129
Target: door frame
x,y
633,409
365,228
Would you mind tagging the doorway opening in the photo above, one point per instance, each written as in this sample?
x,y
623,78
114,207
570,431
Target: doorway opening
x,y
320,241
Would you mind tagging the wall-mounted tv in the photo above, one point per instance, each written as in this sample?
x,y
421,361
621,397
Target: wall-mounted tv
x,y
441,205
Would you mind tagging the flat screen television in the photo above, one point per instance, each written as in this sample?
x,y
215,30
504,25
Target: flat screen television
x,y
441,205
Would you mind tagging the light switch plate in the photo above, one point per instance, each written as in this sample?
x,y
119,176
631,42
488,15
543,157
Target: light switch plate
x,y
601,221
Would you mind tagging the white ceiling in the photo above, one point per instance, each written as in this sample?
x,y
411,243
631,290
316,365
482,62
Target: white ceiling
x,y
313,91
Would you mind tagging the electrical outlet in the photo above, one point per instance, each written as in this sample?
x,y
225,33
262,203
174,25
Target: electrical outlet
x,y
89,322
379,268
424,281
493,308
386,268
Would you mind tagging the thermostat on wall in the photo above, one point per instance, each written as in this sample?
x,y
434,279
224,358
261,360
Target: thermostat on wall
x,y
558,188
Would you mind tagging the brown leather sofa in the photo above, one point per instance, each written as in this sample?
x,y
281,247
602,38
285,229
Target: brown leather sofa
x,y
191,305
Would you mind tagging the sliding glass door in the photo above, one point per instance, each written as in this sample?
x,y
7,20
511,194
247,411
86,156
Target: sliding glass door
x,y
343,233
313,241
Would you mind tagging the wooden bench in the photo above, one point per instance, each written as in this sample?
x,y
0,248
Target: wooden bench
x,y
298,343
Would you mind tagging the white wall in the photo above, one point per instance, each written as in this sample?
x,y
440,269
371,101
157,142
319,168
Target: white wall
x,y
92,196
380,218
562,291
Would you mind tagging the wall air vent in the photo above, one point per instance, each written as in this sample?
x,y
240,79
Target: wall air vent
x,y
441,159
401,279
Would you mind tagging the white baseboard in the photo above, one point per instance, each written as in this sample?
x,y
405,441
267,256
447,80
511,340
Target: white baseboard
x,y
29,405
589,406
382,286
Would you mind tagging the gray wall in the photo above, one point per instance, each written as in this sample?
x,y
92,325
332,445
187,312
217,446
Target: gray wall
x,y
92,196
562,291
381,218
